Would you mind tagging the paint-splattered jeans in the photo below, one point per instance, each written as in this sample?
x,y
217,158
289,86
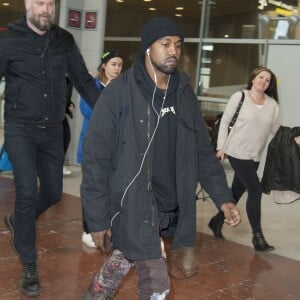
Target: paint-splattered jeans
x,y
153,279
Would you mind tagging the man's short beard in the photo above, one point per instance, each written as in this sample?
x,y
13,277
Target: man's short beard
x,y
166,70
43,27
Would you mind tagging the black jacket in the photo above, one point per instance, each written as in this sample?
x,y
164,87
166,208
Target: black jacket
x,y
34,68
282,168
114,195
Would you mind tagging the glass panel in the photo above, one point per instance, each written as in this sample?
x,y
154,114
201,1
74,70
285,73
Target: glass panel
x,y
130,50
126,18
188,61
210,110
225,68
269,19
11,12
279,27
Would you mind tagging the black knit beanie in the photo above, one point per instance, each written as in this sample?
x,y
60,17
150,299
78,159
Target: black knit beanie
x,y
157,28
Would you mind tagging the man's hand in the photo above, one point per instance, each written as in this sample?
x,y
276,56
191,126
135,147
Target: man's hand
x,y
231,213
102,240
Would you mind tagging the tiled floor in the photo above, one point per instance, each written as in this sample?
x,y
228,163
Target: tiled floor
x,y
228,270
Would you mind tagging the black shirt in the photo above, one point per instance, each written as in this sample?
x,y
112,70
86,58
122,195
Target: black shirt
x,y
164,151
164,154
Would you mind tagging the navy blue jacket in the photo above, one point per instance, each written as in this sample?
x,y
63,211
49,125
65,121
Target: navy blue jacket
x,y
114,196
35,67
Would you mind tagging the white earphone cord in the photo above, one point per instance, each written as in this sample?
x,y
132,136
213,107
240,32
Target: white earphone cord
x,y
149,144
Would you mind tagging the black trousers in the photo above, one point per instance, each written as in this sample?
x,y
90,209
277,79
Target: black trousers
x,y
246,178
37,157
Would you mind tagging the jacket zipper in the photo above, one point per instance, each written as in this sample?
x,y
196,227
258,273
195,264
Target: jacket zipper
x,y
149,183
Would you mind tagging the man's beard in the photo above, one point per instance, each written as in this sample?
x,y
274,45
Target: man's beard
x,y
165,69
45,26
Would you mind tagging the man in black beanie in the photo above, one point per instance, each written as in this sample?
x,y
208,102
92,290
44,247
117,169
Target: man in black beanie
x,y
141,167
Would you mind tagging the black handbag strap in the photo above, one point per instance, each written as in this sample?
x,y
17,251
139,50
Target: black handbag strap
x,y
235,116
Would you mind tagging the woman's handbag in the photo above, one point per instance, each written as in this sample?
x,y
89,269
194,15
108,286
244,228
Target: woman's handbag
x,y
5,164
214,131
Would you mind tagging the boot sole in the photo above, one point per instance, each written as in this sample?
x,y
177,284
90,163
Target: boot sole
x,y
31,293
264,250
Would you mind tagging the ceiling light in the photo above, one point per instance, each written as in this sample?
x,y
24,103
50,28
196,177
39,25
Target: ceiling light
x,y
120,1
5,4
147,0
179,8
178,15
152,8
208,47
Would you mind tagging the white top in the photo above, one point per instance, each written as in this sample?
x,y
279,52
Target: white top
x,y
252,129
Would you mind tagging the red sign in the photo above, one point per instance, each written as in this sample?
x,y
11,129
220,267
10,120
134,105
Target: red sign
x,y
90,20
74,18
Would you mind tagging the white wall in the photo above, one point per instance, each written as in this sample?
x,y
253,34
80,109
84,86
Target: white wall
x,y
284,61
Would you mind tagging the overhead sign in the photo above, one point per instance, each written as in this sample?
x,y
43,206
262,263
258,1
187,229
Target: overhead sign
x,y
263,3
283,12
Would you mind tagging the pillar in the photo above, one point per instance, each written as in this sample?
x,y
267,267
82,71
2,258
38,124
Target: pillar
x,y
90,41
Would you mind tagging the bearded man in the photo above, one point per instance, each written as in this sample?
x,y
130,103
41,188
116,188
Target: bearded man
x,y
35,56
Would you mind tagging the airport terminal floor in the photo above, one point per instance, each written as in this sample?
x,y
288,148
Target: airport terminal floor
x,y
229,269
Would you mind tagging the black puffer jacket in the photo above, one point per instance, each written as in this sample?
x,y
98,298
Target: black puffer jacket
x,y
282,168
34,68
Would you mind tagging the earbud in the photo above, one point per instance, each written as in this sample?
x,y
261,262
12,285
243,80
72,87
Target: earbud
x,y
148,51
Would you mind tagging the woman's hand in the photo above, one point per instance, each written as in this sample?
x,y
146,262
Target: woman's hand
x,y
220,154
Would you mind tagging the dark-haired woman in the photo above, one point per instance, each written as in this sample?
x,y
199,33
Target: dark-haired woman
x,y
257,119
